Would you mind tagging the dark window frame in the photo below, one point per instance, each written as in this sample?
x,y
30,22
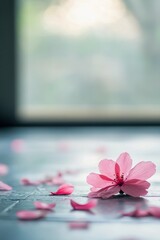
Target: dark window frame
x,y
7,62
8,80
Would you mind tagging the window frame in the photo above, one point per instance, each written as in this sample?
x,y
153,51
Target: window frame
x,y
8,83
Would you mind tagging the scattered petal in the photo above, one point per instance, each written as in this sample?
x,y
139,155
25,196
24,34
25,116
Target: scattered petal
x,y
57,180
3,169
65,189
18,145
154,211
87,206
31,215
44,206
101,149
78,225
4,187
27,182
72,172
136,213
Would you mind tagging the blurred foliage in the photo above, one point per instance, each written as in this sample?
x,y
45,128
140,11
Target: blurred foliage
x,y
91,69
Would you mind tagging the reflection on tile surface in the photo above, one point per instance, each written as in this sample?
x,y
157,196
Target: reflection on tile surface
x,y
42,157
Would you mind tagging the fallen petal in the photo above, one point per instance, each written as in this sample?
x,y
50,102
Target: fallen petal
x,y
154,211
31,215
18,145
70,172
58,181
27,182
78,225
44,206
101,149
4,187
87,206
3,169
65,189
137,213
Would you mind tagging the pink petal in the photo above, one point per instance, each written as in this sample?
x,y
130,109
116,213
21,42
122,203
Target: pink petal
x,y
30,215
58,180
101,149
54,180
98,180
154,211
65,189
107,168
136,213
44,206
70,172
105,192
4,187
3,169
125,163
18,145
78,225
135,188
142,171
87,206
27,182
110,192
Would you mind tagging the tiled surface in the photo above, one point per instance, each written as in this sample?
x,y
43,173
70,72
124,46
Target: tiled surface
x,y
35,153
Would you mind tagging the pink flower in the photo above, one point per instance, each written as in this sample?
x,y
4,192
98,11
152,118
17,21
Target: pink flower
x,y
119,177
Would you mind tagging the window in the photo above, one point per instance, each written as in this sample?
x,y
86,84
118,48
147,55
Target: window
x,y
87,59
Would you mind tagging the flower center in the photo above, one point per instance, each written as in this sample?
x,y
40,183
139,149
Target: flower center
x,y
119,179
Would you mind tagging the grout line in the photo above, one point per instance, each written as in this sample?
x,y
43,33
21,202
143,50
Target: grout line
x,y
10,207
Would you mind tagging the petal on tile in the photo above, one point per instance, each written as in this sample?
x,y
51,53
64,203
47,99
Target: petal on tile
x,y
27,182
78,225
154,211
137,213
44,206
87,206
3,169
30,215
4,187
65,189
